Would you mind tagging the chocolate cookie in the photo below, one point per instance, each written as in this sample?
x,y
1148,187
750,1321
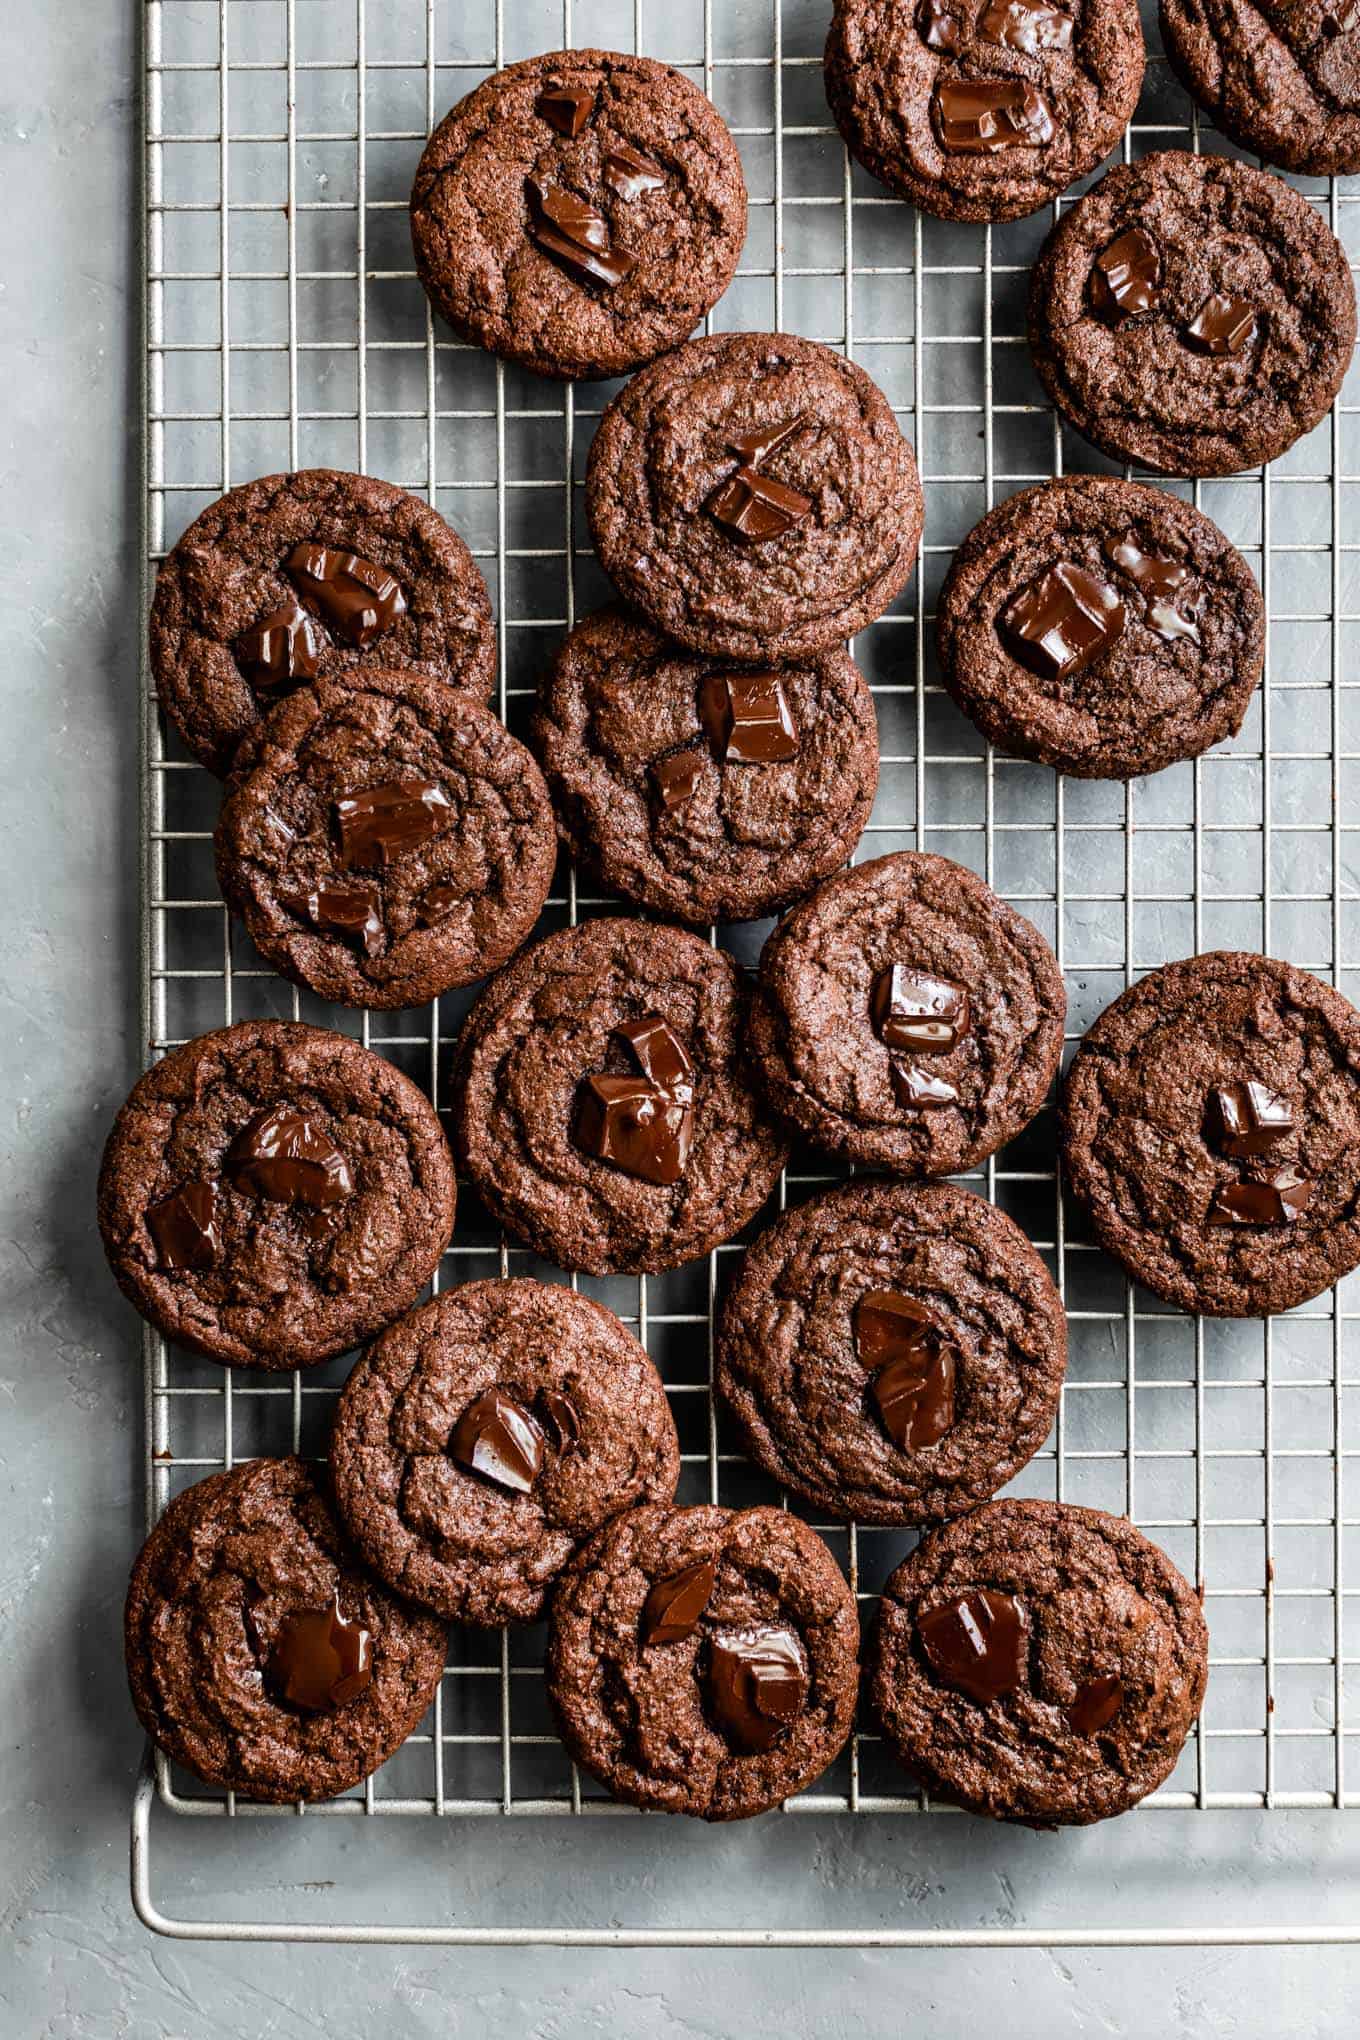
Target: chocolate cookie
x,y
704,792
892,1352
1101,627
579,213
315,575
704,1661
485,1435
271,1194
602,1102
983,114
752,495
385,839
1280,79
259,1652
907,1017
1192,314
1211,1126
1039,1663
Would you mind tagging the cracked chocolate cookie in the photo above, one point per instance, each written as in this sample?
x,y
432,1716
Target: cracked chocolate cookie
x,y
260,1654
315,575
704,1661
1210,1125
479,1440
752,495
908,1018
1038,1662
1281,79
384,839
579,213
983,113
272,1194
1192,314
1102,627
892,1352
702,791
602,1102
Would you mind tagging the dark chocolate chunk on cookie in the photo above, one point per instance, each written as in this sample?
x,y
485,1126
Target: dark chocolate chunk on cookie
x,y
260,1653
706,792
1281,78
892,1352
704,1661
579,212
272,1194
1038,1662
1211,1128
1102,627
479,1440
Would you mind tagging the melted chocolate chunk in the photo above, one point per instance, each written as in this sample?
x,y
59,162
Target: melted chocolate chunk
x,y
383,822
678,773
1159,577
566,108
911,1009
757,507
354,911
438,900
975,1642
565,226
937,27
913,1385
643,1124
1275,1199
757,1683
979,116
762,440
673,1606
1096,1704
660,1053
748,719
1062,621
498,1438
184,1227
1026,25
282,649
1248,1119
1223,325
357,598
561,1416
1126,278
320,1660
917,1087
283,1156
886,1322
629,173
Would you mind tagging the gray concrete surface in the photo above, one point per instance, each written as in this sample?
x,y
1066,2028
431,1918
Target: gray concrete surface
x,y
74,1963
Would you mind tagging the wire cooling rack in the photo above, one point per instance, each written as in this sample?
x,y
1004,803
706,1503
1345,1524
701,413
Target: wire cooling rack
x,y
285,327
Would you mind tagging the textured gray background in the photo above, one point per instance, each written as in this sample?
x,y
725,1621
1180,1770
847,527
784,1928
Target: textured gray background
x,y
73,1961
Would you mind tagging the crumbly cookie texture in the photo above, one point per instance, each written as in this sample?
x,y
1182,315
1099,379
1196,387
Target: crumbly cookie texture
x,y
1279,81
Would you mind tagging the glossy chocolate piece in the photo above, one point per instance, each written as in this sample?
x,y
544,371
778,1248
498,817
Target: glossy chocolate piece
x,y
659,1053
1062,621
757,1683
975,1641
1274,1199
918,1088
748,718
1096,1704
498,1438
1126,277
886,1323
1025,25
184,1227
561,1417
282,649
565,226
1160,578
756,507
379,823
320,1660
761,441
354,911
358,599
629,173
437,900
673,1606
678,773
642,1123
913,1010
566,108
283,1156
981,116
912,1387
937,27
1223,325
1248,1119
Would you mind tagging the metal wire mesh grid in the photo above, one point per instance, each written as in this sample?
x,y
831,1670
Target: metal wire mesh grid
x,y
285,328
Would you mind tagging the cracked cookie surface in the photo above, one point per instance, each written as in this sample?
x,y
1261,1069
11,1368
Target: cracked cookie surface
x,y
801,424
1281,78
656,220
470,1546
